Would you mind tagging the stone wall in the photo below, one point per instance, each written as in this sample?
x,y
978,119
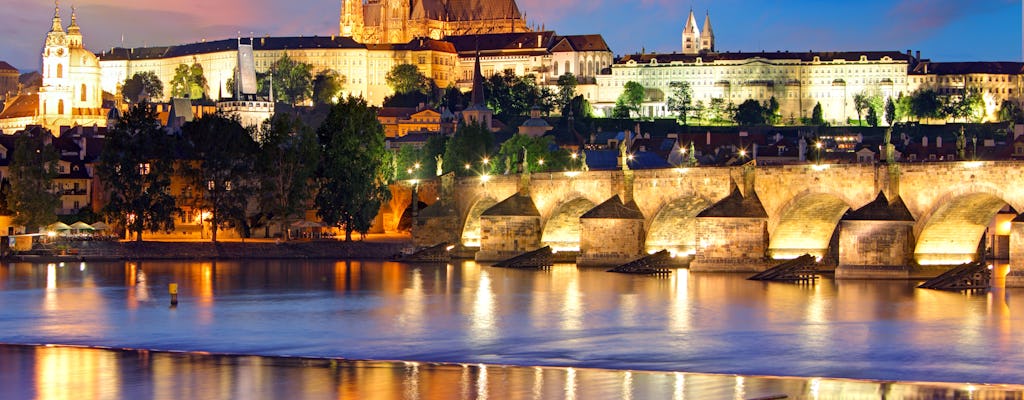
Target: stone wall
x,y
607,242
504,236
875,249
731,244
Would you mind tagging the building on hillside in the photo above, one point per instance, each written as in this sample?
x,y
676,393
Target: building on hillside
x,y
71,93
250,109
8,80
399,21
995,81
798,81
363,66
401,121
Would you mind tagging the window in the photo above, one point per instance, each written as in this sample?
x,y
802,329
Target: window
x,y
144,169
60,107
83,92
60,70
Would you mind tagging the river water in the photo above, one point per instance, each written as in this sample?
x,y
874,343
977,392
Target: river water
x,y
465,313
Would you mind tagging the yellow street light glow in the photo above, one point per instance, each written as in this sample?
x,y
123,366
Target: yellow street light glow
x,y
467,166
485,177
541,161
414,181
818,145
572,174
573,155
630,157
486,160
819,167
416,166
743,153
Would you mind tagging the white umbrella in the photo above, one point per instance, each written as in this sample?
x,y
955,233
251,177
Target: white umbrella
x,y
82,226
100,226
58,226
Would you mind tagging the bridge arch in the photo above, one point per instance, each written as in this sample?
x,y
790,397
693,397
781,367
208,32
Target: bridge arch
x,y
562,229
806,225
471,226
951,232
674,226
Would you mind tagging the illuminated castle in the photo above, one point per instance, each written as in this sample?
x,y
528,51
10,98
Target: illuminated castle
x,y
399,21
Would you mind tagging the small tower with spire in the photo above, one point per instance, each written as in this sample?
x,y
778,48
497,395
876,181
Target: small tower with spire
x,y
691,35
707,36
477,111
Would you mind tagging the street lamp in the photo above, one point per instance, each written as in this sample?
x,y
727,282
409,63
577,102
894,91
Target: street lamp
x,y
817,145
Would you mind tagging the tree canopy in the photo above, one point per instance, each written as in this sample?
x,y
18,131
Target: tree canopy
x,y
817,118
327,86
33,197
470,146
680,101
407,78
541,155
750,112
293,80
285,166
629,101
189,82
566,91
136,168
141,84
352,178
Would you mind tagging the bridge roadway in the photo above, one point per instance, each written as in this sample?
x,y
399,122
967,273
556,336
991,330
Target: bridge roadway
x,y
876,221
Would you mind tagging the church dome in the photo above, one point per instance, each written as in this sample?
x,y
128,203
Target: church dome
x,y
81,57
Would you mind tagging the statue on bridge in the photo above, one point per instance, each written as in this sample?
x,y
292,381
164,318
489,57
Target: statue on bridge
x,y
583,162
622,156
440,162
888,149
961,145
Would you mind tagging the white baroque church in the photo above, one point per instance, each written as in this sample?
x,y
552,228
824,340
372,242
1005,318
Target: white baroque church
x,y
70,95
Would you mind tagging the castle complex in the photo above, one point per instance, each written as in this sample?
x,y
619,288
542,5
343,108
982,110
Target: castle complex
x,y
443,37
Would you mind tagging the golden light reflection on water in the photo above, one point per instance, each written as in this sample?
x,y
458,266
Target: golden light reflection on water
x,y
679,313
72,374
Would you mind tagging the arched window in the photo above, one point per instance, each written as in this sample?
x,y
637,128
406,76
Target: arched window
x,y
581,71
567,70
83,92
60,70
60,107
554,68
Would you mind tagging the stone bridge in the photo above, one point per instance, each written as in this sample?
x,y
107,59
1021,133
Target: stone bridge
x,y
871,220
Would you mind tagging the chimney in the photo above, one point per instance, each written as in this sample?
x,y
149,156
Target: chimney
x,y
918,57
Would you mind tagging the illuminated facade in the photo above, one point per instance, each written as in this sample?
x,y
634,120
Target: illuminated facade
x,y
399,21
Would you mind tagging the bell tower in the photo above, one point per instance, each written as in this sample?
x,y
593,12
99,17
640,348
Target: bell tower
x,y
691,36
707,36
55,94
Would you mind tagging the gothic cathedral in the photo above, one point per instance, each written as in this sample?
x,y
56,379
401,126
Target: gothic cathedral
x,y
400,21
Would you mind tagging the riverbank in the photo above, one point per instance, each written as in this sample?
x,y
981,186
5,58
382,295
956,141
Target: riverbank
x,y
376,248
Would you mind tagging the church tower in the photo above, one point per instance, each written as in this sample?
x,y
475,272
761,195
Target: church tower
x,y
352,19
691,36
477,111
707,36
55,94
395,18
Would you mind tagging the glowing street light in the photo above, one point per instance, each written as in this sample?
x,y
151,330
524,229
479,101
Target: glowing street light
x,y
540,161
573,155
486,161
467,166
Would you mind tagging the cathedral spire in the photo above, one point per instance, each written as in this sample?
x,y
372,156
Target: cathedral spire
x,y
477,98
691,35
707,36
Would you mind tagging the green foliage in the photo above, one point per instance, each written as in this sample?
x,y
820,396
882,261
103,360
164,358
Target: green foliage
x,y
720,111
352,178
539,155
189,82
816,116
409,165
293,80
969,106
327,86
860,103
219,164
902,108
510,95
631,98
926,103
680,100
471,144
285,166
5,197
566,91
872,117
750,112
890,111
453,98
581,109
1010,110
771,112
33,168
142,84
407,78
136,168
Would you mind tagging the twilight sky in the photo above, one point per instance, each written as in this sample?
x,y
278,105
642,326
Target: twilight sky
x,y
944,30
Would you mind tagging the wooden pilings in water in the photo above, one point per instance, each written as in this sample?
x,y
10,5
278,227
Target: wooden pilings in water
x,y
970,276
653,264
436,253
800,269
537,259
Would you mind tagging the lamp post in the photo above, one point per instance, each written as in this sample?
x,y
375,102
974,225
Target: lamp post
x,y
974,140
817,146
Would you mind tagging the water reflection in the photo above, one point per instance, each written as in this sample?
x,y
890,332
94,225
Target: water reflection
x,y
470,313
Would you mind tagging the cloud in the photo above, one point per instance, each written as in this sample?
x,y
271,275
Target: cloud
x,y
920,18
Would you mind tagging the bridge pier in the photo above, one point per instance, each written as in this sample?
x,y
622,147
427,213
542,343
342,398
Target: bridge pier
x,y
1015,278
510,228
732,235
611,234
876,241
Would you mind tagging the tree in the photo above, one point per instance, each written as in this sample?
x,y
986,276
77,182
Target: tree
x,y
540,155
566,91
407,78
902,107
510,95
293,80
632,97
285,166
471,145
408,164
890,111
327,86
816,116
969,106
33,198
926,103
136,168
749,112
219,164
872,117
188,82
142,84
1010,110
771,112
680,101
860,103
351,179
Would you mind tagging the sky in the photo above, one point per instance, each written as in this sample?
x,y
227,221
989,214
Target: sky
x,y
943,30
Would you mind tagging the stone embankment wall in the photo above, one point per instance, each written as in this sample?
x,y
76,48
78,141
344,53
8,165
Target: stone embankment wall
x,y
327,249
